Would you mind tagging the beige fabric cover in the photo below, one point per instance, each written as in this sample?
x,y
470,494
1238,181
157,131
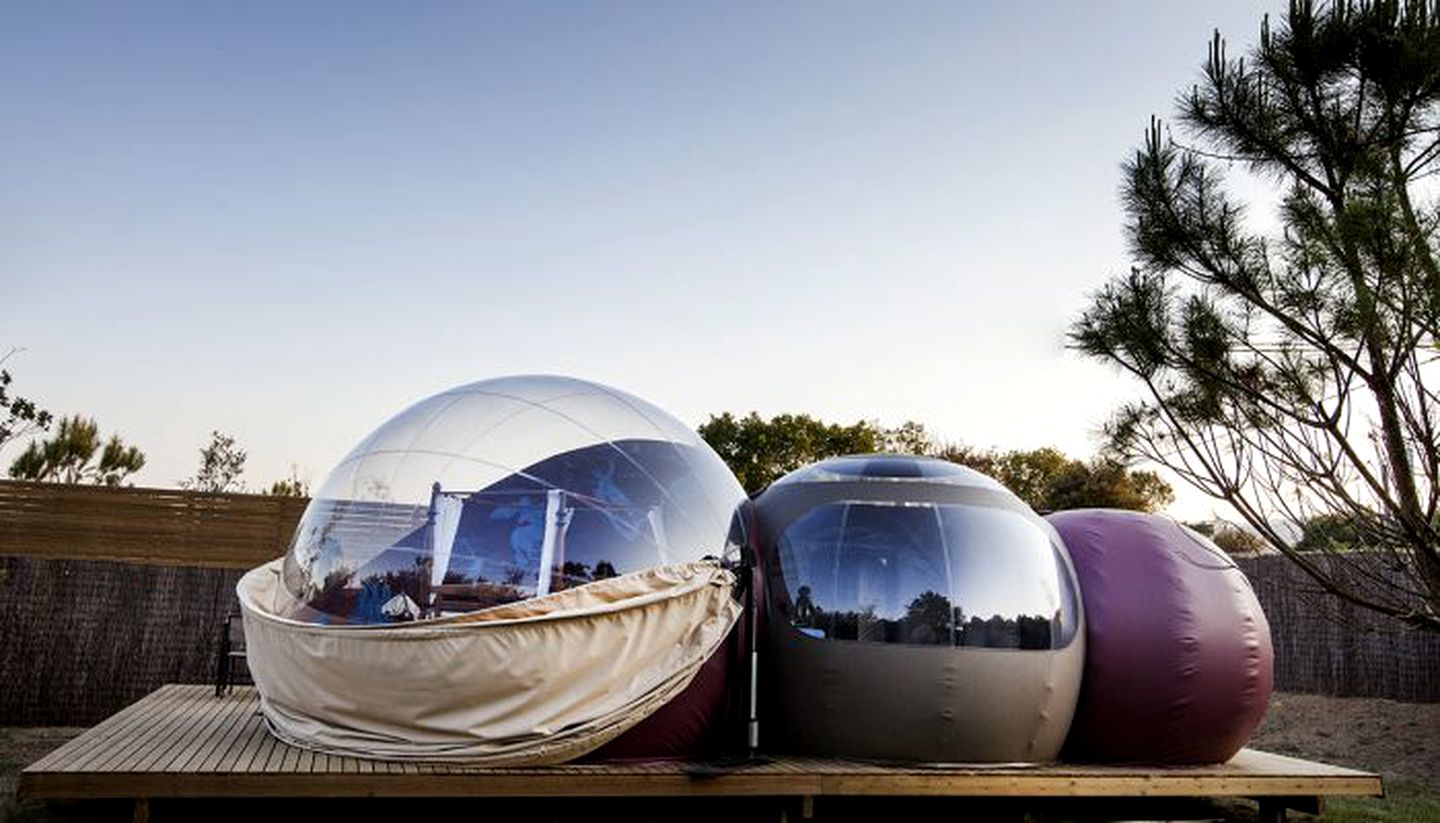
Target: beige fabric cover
x,y
541,681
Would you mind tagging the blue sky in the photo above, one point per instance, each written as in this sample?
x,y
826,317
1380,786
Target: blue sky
x,y
288,221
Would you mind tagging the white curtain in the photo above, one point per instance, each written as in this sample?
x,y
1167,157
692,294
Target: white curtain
x,y
447,522
657,527
554,499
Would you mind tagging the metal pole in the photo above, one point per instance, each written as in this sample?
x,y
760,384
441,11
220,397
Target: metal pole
x,y
752,630
430,610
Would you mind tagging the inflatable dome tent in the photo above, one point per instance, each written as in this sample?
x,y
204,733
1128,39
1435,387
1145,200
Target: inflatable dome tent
x,y
915,610
1178,661
512,571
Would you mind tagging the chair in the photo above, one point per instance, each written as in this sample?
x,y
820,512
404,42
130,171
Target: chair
x,y
231,654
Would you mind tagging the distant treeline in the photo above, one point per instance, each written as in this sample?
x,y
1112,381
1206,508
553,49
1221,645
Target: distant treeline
x,y
760,451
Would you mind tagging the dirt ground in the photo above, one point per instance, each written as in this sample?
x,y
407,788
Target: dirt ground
x,y
1398,740
19,747
1401,741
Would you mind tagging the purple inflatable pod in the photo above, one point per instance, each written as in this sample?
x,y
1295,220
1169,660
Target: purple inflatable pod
x,y
1178,661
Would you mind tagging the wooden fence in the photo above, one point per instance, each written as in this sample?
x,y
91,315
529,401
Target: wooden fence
x,y
156,526
106,594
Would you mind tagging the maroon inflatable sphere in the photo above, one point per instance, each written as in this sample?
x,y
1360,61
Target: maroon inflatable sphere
x,y
1178,662
690,726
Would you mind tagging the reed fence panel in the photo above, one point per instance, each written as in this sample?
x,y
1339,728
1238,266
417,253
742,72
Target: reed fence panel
x,y
1326,646
79,639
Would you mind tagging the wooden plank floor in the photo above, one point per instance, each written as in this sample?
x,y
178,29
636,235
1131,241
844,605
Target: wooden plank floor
x,y
182,741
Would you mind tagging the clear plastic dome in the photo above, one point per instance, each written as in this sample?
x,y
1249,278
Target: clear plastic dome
x,y
890,549
501,490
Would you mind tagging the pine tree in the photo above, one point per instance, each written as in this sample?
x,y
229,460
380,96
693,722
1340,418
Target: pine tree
x,y
1293,374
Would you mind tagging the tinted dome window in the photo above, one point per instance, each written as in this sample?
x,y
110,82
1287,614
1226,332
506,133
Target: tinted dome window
x,y
502,490
890,468
931,574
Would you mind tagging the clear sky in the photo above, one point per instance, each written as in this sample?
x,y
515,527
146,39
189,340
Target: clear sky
x,y
288,221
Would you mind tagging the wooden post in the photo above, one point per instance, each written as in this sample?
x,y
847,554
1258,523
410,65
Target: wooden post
x,y
1272,810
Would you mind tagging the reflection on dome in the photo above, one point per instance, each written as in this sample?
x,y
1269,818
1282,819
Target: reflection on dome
x,y
964,565
502,490
929,574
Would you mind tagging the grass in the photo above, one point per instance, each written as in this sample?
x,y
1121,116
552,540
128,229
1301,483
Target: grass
x,y
1405,801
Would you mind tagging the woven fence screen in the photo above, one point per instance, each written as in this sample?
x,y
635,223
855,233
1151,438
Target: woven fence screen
x,y
1326,646
79,639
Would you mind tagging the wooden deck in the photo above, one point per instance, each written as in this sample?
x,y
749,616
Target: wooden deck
x,y
182,741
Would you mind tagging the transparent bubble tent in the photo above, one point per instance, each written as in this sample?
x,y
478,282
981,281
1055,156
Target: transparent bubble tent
x,y
917,610
522,559
502,490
